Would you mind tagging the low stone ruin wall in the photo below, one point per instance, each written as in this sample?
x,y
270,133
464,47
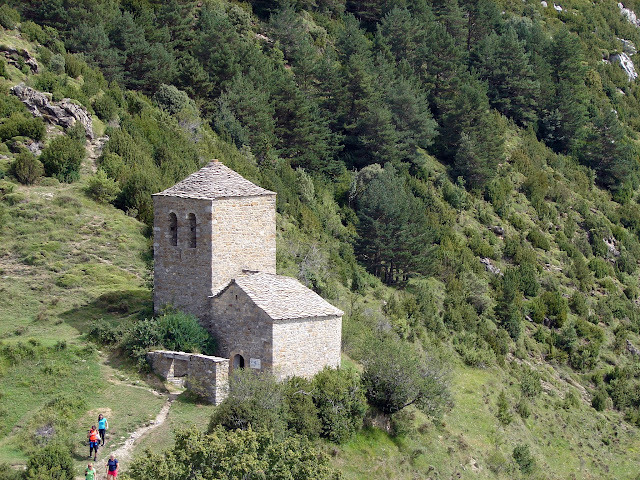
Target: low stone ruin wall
x,y
204,375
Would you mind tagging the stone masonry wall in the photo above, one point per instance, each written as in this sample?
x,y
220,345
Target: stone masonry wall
x,y
204,375
244,237
240,327
182,275
303,347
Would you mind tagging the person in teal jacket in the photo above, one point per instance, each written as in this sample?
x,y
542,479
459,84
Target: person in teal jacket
x,y
102,427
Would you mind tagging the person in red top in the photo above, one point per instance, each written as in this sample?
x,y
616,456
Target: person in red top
x,y
94,442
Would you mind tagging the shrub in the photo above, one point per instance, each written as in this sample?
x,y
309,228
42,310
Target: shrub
x,y
105,107
62,158
33,32
52,462
556,307
530,382
528,279
102,188
27,168
422,383
245,454
3,69
600,267
20,126
538,239
523,408
172,100
8,17
599,400
57,64
255,401
524,459
504,414
341,403
301,412
9,105
74,65
182,331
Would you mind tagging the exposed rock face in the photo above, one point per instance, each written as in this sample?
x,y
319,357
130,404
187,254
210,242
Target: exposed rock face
x,y
626,63
64,113
611,246
628,47
630,14
632,349
12,54
490,267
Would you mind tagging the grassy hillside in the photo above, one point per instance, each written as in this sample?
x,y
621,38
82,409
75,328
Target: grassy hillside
x,y
509,250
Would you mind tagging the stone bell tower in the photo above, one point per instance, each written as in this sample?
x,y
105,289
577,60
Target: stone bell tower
x,y
208,229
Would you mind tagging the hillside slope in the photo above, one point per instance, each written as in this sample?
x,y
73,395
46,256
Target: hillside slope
x,y
462,176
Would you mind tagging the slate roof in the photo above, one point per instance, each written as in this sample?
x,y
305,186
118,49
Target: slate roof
x,y
214,181
283,298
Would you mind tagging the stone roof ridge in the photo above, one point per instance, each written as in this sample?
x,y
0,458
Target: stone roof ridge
x,y
284,298
214,180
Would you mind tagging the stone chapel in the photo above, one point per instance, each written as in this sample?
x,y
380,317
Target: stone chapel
x,y
215,257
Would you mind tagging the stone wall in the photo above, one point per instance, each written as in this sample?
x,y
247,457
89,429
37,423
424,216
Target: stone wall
x,y
240,327
303,347
204,375
244,237
182,275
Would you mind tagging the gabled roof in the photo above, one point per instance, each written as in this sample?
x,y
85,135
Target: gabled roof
x,y
283,298
214,181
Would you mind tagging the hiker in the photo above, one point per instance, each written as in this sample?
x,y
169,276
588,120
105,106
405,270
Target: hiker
x,y
103,424
90,473
94,442
112,467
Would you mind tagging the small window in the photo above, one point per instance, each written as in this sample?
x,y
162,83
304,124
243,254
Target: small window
x,y
192,230
173,228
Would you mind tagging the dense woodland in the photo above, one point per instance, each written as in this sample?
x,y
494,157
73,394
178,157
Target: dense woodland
x,y
461,177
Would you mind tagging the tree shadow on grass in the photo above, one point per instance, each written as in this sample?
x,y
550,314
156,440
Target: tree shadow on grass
x,y
111,307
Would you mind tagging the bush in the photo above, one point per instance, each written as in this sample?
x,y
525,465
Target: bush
x,y
105,107
52,462
422,383
20,126
528,279
57,64
27,168
181,331
538,239
245,454
172,100
62,158
301,412
255,401
101,188
8,17
504,414
33,32
341,403
74,65
524,459
530,382
600,267
600,400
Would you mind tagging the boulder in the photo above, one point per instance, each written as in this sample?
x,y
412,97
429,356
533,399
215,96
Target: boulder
x,y
626,63
64,113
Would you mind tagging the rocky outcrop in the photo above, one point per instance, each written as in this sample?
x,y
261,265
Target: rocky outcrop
x,y
490,267
626,63
64,113
630,14
13,56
